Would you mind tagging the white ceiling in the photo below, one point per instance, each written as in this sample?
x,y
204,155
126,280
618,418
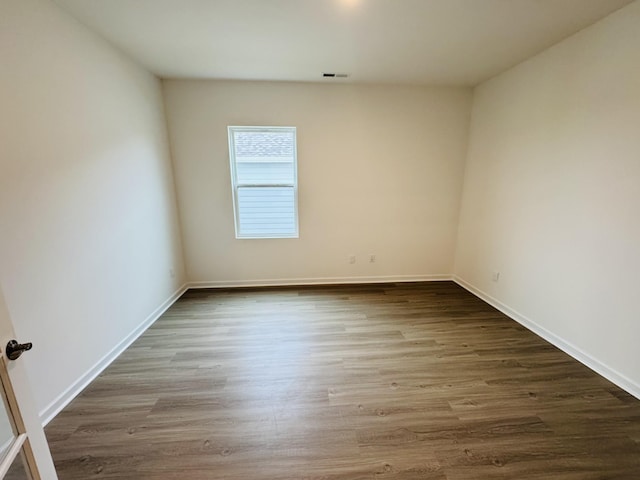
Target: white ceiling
x,y
437,42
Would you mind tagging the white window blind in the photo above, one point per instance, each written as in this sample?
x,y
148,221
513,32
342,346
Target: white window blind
x,y
264,181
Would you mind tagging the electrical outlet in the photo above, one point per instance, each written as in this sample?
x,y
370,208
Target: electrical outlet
x,y
172,273
372,258
352,259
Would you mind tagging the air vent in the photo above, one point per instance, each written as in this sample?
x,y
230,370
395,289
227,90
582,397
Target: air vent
x,y
335,75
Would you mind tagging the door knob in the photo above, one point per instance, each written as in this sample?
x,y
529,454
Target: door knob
x,y
15,349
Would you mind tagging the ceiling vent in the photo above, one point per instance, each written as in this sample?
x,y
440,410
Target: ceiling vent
x,y
335,75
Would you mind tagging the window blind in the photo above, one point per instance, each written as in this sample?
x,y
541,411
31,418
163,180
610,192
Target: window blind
x,y
264,178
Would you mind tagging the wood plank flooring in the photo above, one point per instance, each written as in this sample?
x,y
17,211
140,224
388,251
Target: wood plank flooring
x,y
389,381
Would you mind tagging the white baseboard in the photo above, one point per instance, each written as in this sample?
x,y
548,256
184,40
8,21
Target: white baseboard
x,y
583,357
50,411
279,282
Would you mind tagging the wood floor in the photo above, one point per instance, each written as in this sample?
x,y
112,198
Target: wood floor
x,y
393,381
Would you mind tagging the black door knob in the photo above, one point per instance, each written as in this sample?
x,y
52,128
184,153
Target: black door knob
x,y
15,349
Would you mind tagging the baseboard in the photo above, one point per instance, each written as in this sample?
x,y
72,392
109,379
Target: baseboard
x,y
278,282
583,357
50,411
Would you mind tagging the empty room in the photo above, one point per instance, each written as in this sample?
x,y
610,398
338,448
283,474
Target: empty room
x,y
320,239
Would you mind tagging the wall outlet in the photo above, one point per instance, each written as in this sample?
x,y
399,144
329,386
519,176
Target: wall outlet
x,y
352,259
495,276
172,273
372,258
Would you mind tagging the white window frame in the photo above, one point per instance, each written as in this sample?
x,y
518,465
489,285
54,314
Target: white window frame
x,y
235,185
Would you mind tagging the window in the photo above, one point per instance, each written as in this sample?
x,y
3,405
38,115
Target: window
x,y
264,181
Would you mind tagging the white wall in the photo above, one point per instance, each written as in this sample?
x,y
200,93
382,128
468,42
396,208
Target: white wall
x,y
89,228
88,219
552,194
380,172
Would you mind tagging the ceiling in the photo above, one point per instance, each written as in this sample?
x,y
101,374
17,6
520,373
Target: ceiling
x,y
435,42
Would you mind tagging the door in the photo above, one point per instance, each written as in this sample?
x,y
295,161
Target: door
x,y
24,453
